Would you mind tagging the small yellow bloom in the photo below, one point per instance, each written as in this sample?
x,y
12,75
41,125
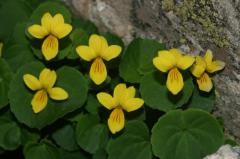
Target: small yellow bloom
x,y
98,50
54,28
1,46
170,61
44,87
123,99
202,67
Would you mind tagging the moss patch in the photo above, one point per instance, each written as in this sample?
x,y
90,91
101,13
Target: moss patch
x,y
199,12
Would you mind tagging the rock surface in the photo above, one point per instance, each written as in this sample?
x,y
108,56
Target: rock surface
x,y
194,25
226,152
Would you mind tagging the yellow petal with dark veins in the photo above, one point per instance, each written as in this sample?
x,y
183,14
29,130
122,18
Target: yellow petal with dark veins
x,y
116,121
39,101
50,47
174,81
98,71
205,83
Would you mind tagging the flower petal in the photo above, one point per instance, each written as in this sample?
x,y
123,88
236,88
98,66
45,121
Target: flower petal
x,y
119,91
111,52
86,53
208,57
185,62
133,104
50,47
98,71
39,101
205,83
37,31
46,21
177,53
198,68
107,100
47,78
116,120
61,30
174,81
98,43
58,19
32,82
165,61
57,93
215,66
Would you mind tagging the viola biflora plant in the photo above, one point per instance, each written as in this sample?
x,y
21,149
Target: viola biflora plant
x,y
70,91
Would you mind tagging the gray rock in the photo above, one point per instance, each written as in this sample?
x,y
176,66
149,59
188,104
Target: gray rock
x,y
194,25
226,152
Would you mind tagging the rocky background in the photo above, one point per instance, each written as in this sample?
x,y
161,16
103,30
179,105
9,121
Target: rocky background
x,y
192,25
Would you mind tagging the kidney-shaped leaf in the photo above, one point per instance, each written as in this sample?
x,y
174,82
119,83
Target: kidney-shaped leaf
x,y
190,134
20,96
133,143
156,95
137,59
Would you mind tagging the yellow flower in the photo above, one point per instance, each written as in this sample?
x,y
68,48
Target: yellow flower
x,y
123,99
1,46
44,87
202,67
98,50
54,28
170,61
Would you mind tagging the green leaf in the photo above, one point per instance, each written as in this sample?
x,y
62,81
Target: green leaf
x,y
18,55
133,143
156,95
92,104
12,12
190,134
202,100
90,134
10,134
18,36
137,60
68,78
65,137
43,150
5,78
